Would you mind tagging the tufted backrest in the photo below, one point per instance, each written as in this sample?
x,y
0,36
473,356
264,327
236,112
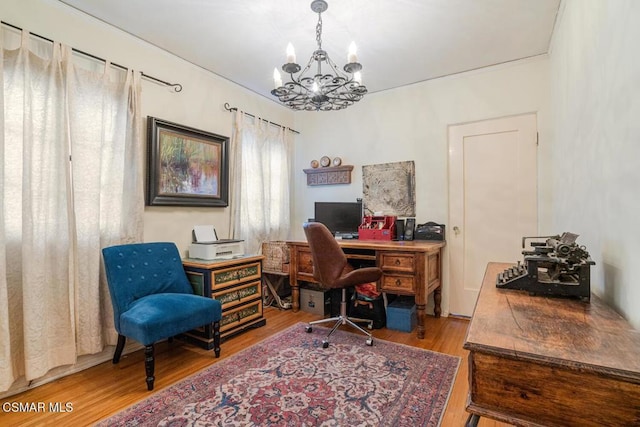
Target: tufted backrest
x,y
141,269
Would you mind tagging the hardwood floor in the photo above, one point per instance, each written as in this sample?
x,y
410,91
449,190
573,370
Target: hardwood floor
x,y
106,389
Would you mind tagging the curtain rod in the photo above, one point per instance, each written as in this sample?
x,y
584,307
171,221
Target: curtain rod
x,y
230,108
177,87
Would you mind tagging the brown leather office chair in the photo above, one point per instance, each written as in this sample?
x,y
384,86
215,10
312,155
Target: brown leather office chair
x,y
331,270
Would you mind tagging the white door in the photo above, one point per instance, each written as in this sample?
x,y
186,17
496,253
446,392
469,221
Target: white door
x,y
492,200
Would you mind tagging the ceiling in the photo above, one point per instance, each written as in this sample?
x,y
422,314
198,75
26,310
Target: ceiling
x,y
400,42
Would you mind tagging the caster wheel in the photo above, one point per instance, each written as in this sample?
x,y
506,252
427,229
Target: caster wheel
x,y
370,342
308,329
325,344
370,326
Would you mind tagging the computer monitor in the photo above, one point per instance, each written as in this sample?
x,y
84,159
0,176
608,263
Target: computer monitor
x,y
339,217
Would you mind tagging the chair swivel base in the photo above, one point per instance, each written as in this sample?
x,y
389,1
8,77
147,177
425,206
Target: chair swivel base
x,y
342,320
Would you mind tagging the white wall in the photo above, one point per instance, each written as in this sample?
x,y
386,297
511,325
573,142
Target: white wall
x,y
410,123
199,105
595,66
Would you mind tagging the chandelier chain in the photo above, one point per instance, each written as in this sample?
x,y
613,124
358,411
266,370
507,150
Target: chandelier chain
x,y
319,31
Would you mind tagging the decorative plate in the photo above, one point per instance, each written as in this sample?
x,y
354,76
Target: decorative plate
x,y
314,164
337,161
325,161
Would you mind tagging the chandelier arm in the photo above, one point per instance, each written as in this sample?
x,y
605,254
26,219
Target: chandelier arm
x,y
301,76
297,94
345,97
332,90
348,85
337,71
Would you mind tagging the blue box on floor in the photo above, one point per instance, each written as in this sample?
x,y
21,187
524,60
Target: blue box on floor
x,y
401,314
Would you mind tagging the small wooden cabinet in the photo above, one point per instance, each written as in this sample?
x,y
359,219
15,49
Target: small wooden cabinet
x,y
237,284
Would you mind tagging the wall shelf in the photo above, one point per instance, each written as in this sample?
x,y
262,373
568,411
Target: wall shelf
x,y
329,175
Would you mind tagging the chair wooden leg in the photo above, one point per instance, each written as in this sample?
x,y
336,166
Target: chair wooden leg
x,y
119,347
216,338
149,365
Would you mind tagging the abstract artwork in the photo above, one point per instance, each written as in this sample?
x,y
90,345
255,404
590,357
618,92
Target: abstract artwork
x,y
389,188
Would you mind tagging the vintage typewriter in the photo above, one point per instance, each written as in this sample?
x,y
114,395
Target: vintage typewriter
x,y
556,267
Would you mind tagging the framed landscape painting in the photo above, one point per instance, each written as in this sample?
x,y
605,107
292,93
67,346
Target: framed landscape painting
x,y
187,167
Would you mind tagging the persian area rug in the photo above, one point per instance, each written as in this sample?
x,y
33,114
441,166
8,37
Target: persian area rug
x,y
290,380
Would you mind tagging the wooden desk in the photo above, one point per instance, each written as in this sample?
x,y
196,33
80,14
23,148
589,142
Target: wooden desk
x,y
408,268
544,361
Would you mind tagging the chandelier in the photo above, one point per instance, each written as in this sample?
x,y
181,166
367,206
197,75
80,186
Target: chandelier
x,y
321,92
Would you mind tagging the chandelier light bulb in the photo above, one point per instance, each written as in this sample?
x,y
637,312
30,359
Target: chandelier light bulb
x,y
352,56
291,54
277,79
315,88
357,77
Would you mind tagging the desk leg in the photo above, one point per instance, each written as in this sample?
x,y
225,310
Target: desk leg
x,y
421,314
472,421
437,300
295,297
422,292
293,280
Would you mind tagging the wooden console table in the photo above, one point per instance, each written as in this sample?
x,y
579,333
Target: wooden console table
x,y
408,268
544,361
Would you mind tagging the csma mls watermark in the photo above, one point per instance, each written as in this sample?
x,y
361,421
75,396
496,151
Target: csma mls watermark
x,y
56,407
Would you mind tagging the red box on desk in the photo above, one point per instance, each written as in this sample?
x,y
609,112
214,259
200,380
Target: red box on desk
x,y
377,228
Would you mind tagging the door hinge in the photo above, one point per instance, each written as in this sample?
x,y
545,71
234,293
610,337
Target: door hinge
x,y
537,138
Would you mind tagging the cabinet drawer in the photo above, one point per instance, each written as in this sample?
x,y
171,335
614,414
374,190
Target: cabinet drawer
x,y
240,315
397,261
398,283
232,275
231,297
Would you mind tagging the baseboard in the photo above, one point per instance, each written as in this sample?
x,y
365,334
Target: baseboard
x,y
84,362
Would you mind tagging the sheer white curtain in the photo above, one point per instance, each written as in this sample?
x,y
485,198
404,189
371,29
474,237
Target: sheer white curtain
x,y
260,193
56,214
108,193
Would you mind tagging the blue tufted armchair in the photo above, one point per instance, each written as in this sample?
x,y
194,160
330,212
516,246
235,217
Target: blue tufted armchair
x,y
153,299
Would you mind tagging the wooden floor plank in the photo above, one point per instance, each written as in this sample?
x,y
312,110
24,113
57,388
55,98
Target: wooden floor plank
x,y
106,389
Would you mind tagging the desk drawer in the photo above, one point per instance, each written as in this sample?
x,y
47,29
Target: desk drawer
x,y
305,262
398,283
397,261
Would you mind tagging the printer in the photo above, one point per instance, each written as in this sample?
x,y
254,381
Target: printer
x,y
206,245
